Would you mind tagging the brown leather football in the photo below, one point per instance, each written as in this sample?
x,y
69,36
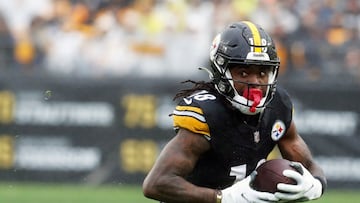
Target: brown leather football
x,y
269,174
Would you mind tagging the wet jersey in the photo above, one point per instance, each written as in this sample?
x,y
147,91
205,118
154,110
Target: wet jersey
x,y
238,141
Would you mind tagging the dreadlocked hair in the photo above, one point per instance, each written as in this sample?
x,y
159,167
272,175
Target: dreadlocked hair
x,y
197,85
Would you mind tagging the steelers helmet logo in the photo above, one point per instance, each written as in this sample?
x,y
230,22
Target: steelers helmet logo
x,y
214,46
278,130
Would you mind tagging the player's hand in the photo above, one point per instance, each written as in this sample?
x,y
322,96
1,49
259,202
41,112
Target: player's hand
x,y
307,187
242,192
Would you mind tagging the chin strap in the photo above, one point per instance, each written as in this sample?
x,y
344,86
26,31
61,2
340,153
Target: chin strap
x,y
255,96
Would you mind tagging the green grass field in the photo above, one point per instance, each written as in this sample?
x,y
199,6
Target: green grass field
x,y
49,193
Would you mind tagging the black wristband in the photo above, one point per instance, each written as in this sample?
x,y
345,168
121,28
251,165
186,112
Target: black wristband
x,y
323,183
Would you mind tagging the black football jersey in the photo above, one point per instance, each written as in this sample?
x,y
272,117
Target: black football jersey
x,y
238,141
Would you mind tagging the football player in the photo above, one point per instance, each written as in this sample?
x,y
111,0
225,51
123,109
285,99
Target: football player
x,y
228,126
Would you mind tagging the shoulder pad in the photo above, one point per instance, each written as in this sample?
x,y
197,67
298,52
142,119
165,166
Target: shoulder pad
x,y
189,113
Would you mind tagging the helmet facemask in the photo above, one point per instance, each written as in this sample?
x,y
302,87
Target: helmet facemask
x,y
252,100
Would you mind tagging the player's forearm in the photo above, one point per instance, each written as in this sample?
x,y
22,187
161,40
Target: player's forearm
x,y
178,190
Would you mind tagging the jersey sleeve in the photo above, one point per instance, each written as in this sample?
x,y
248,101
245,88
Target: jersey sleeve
x,y
191,117
285,105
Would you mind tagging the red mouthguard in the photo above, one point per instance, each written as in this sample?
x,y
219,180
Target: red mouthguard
x,y
254,95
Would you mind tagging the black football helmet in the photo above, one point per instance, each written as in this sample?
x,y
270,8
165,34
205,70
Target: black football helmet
x,y
248,44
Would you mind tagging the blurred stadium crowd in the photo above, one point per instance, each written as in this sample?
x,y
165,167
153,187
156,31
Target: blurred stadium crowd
x,y
316,39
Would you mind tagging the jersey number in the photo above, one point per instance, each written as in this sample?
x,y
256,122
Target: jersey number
x,y
202,97
239,172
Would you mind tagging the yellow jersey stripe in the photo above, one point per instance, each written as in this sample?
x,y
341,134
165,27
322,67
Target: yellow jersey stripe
x,y
191,114
189,108
191,124
256,35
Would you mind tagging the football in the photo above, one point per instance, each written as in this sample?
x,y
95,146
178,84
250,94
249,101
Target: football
x,y
269,174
